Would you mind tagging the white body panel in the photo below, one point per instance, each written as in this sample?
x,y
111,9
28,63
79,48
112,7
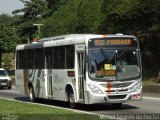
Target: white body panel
x,y
60,78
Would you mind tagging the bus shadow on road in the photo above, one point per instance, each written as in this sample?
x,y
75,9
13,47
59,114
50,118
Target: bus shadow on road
x,y
93,107
107,106
23,98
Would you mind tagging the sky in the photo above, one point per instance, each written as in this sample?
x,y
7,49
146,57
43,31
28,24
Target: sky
x,y
7,6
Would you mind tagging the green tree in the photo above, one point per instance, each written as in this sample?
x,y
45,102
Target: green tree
x,y
33,12
75,16
4,18
8,39
8,35
7,19
140,18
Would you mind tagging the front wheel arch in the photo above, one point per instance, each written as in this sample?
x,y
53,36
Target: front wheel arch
x,y
70,96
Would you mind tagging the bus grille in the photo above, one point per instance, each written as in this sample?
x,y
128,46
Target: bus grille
x,y
117,97
114,91
117,85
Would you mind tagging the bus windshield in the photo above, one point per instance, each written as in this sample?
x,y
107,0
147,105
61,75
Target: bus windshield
x,y
113,64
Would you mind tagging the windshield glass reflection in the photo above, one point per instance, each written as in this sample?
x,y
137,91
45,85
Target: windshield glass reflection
x,y
113,64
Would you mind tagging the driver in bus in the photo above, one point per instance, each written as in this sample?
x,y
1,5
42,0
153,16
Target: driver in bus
x,y
93,67
121,63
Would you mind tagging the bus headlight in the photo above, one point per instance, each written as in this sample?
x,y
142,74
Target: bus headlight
x,y
137,87
95,89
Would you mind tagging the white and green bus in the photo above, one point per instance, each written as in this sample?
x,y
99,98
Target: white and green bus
x,y
81,68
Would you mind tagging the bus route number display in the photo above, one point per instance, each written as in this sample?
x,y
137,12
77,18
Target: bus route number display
x,y
113,42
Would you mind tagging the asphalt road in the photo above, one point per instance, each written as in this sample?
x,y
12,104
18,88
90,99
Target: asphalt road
x,y
147,106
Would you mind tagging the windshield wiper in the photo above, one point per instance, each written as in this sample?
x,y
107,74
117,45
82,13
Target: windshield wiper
x,y
106,57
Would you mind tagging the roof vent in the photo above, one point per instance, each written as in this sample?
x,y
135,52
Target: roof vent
x,y
119,34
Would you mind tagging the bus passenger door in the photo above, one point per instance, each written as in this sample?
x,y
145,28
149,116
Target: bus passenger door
x,y
80,51
48,67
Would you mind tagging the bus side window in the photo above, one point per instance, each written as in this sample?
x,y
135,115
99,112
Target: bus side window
x,y
39,64
59,57
70,56
30,59
20,62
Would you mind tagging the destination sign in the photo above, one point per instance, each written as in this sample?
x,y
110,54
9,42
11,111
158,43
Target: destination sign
x,y
113,42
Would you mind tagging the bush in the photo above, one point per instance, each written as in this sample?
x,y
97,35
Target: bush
x,y
8,61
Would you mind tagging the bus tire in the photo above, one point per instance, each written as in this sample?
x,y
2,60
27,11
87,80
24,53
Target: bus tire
x,y
71,100
116,105
31,94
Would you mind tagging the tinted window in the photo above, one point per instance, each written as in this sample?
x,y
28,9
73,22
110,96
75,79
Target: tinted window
x,y
63,57
59,58
20,61
70,56
30,59
39,64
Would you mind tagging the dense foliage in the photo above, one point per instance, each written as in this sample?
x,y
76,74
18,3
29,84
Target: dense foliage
x,y
8,34
136,17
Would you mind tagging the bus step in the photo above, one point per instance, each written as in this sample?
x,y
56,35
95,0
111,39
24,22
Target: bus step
x,y
50,97
81,101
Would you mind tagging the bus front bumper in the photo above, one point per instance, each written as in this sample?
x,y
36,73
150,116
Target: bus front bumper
x,y
112,98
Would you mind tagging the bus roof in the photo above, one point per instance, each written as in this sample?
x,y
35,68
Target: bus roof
x,y
66,40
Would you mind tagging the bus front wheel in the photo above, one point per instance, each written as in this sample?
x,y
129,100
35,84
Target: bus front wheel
x,y
71,100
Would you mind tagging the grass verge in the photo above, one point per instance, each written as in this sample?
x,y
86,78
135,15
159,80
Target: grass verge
x,y
24,111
